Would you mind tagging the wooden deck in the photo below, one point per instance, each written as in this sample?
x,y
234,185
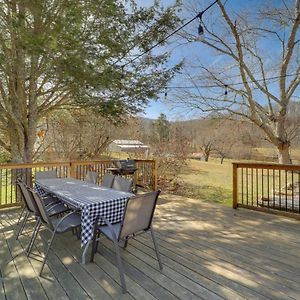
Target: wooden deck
x,y
208,251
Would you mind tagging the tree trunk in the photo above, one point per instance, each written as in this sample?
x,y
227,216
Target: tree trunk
x,y
22,145
284,157
206,156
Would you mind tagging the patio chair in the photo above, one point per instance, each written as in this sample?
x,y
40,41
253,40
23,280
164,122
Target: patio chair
x,y
137,219
54,208
45,174
107,180
55,226
122,184
92,177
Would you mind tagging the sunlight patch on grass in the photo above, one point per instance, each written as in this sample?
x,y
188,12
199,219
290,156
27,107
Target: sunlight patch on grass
x,y
209,181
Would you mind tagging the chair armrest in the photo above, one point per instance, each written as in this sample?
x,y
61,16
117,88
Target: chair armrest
x,y
52,205
63,218
109,225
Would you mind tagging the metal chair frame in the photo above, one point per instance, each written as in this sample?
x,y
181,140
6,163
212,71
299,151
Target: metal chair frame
x,y
46,220
118,240
53,208
107,180
122,184
91,177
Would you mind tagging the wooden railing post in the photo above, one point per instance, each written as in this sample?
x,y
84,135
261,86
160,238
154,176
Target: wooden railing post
x,y
234,185
155,175
72,170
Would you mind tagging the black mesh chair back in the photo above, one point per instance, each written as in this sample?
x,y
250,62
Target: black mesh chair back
x,y
59,225
45,174
107,180
92,177
29,202
31,208
122,184
45,218
137,219
138,214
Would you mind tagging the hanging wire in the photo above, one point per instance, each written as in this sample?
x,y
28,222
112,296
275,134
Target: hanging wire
x,y
199,15
232,84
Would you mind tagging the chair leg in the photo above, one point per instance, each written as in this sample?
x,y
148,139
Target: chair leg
x,y
21,214
78,232
156,248
33,238
123,243
120,267
22,225
93,249
95,246
47,252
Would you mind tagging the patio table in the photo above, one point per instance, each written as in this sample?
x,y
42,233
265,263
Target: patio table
x,y
92,200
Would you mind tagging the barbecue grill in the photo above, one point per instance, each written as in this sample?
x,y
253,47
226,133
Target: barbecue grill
x,y
123,167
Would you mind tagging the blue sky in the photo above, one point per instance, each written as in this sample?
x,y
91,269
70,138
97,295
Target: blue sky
x,y
184,52
195,50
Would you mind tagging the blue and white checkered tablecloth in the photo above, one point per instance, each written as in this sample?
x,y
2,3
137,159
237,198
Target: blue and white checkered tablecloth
x,y
91,199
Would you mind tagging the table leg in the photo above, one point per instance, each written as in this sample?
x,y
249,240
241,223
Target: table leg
x,y
84,252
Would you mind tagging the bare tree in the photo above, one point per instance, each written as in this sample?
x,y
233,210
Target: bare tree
x,y
171,155
258,68
76,134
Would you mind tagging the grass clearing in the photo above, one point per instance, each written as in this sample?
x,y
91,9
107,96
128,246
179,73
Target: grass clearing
x,y
208,181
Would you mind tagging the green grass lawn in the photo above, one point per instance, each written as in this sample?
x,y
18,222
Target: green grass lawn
x,y
208,181
7,195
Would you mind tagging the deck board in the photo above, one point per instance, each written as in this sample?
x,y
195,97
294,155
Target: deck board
x,y
208,252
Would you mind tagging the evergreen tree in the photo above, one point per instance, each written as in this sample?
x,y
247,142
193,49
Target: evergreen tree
x,y
56,53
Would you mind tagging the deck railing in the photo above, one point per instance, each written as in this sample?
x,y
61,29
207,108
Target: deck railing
x,y
145,176
267,187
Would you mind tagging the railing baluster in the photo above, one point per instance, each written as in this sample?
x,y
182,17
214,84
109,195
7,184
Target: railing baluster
x,y
247,197
279,188
262,185
242,181
292,190
298,191
1,186
6,186
286,181
11,186
252,186
274,187
268,187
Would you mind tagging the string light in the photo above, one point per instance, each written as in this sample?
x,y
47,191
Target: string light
x,y
200,32
200,28
226,92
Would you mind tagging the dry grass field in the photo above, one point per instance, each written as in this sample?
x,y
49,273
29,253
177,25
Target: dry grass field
x,y
208,181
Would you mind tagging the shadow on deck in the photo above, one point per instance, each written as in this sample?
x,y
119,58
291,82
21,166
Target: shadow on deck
x,y
208,251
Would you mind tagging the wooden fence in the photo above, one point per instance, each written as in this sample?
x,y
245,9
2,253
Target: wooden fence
x,y
145,176
271,188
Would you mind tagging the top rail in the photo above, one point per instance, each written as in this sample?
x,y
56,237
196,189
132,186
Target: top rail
x,y
273,188
265,166
32,165
145,176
